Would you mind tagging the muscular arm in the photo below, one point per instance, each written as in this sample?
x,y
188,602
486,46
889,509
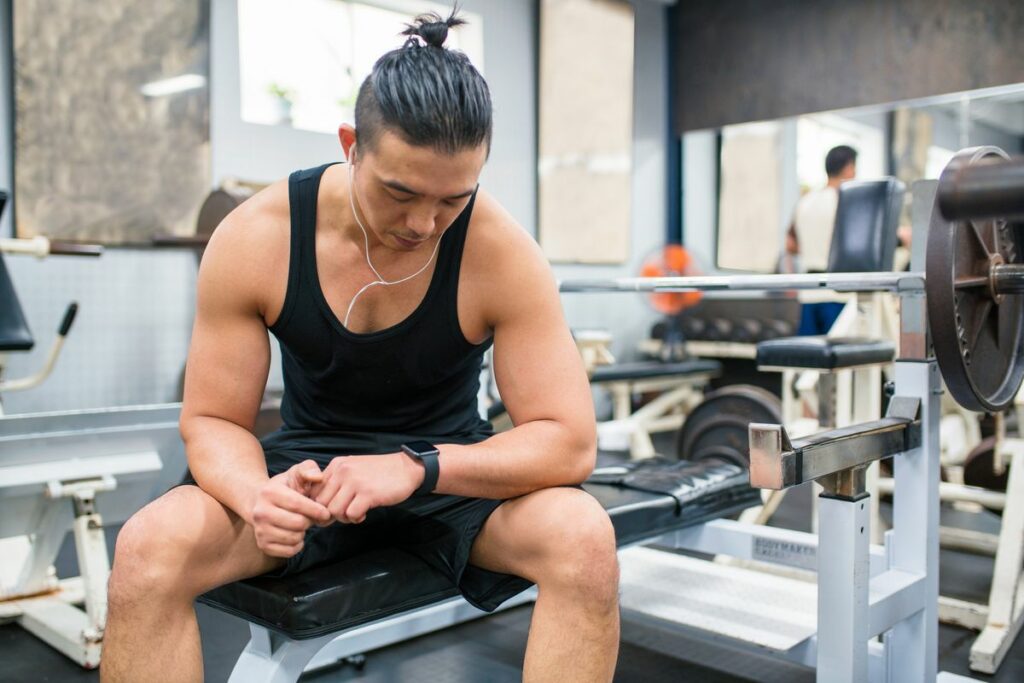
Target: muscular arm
x,y
542,382
226,373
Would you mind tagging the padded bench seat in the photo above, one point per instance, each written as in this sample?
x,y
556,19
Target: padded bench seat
x,y
626,372
630,372
823,353
386,582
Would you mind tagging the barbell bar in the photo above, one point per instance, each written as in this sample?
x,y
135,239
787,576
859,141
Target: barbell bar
x,y
837,282
973,279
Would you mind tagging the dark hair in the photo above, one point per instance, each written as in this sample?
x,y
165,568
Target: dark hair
x,y
428,94
839,158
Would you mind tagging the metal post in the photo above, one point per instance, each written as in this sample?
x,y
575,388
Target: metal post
x,y
843,581
913,643
93,565
1006,611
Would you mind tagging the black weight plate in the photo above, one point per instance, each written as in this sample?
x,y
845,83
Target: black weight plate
x,y
729,410
977,337
724,437
978,467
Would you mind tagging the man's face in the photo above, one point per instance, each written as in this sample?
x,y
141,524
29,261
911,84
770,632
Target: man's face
x,y
409,195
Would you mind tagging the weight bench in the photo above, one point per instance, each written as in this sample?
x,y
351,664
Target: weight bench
x,y
338,611
679,386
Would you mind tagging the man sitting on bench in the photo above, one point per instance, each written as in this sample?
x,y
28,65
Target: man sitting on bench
x,y
384,280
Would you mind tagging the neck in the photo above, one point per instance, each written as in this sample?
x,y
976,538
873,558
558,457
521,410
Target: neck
x,y
834,182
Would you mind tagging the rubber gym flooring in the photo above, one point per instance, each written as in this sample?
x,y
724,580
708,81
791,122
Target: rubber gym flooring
x,y
491,650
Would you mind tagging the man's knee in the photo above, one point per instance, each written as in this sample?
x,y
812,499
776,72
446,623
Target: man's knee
x,y
581,554
150,558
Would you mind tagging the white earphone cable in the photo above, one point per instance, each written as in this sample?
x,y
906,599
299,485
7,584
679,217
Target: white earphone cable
x,y
366,243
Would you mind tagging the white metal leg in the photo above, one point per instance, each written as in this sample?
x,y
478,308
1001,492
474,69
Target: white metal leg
x,y
36,575
843,579
272,658
269,658
914,539
93,563
1005,604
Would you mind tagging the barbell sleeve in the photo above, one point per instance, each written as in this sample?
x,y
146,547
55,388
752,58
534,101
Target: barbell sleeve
x,y
985,189
1008,278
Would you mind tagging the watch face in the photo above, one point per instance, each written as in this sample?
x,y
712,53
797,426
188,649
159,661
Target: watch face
x,y
420,447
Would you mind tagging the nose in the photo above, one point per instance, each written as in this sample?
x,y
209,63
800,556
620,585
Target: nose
x,y
421,223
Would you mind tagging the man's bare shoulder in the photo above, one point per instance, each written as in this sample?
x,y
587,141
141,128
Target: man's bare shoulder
x,y
506,265
497,240
249,249
257,223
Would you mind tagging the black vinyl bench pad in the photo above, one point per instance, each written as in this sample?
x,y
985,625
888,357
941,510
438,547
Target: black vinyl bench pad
x,y
824,353
389,581
632,372
626,372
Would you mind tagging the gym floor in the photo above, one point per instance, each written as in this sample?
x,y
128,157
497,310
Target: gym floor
x,y
492,649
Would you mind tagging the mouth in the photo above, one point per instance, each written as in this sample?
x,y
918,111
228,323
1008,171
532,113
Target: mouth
x,y
408,244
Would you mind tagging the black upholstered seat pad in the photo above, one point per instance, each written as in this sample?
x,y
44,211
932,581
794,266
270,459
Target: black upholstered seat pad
x,y
627,372
619,372
14,332
823,352
389,581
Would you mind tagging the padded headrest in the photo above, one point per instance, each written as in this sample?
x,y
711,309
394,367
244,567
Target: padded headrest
x,y
864,238
14,332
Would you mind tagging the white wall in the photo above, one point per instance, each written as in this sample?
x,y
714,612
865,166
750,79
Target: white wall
x,y
700,166
129,340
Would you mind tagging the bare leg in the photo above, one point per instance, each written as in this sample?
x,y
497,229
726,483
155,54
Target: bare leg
x,y
173,550
562,540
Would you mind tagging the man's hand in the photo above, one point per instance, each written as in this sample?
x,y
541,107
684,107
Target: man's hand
x,y
353,485
283,510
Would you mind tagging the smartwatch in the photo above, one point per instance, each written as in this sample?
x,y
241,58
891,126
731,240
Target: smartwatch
x,y
426,453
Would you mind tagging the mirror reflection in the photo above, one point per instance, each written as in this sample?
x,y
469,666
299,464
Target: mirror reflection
x,y
790,169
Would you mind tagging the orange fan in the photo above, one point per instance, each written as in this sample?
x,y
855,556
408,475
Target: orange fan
x,y
671,261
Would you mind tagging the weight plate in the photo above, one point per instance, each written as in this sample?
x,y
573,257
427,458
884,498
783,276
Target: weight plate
x,y
977,334
717,427
978,469
720,438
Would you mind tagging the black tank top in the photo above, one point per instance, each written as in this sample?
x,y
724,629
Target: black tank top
x,y
347,393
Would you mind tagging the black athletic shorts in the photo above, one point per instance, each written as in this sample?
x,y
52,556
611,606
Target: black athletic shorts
x,y
438,529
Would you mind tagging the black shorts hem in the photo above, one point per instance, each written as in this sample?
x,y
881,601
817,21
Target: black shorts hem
x,y
482,588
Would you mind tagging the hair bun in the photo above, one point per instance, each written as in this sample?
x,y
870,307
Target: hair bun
x,y
432,28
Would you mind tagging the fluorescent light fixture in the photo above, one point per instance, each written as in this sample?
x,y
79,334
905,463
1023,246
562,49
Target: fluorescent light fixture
x,y
172,86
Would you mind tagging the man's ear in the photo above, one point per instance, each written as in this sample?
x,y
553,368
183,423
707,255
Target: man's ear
x,y
347,137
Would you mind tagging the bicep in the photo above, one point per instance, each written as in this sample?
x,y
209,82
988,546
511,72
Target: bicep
x,y
538,369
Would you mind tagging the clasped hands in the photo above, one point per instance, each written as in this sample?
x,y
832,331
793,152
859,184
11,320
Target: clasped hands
x,y
344,491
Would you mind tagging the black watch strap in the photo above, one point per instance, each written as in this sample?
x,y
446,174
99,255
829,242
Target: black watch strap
x,y
426,453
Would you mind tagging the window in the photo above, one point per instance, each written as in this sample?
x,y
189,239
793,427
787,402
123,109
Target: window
x,y
750,193
302,61
936,160
585,134
818,133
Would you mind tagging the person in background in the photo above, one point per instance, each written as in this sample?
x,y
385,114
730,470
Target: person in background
x,y
810,235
